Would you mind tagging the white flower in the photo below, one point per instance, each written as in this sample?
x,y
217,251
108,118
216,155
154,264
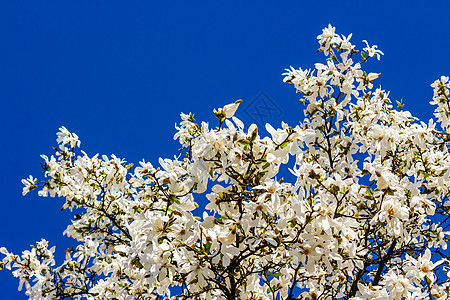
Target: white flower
x,y
227,111
66,137
373,51
423,266
398,285
327,38
30,184
228,252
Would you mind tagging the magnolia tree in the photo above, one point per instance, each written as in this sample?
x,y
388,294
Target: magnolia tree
x,y
364,219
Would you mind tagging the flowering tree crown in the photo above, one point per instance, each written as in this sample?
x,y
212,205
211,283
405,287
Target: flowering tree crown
x,y
364,219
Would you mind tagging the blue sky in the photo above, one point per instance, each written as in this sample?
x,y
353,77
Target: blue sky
x,y
119,73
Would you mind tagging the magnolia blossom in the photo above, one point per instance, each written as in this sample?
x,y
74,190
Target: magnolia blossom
x,y
365,215
372,51
423,267
227,111
29,184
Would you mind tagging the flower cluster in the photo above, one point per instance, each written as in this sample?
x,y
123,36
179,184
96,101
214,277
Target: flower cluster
x,y
441,99
366,217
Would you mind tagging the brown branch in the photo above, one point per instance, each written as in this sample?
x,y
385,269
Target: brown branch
x,y
383,262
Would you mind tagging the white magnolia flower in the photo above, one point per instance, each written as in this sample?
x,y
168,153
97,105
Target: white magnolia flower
x,y
227,111
422,267
372,51
66,137
29,184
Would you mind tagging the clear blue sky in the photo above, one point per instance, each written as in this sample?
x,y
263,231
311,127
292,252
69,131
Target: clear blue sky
x,y
119,74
